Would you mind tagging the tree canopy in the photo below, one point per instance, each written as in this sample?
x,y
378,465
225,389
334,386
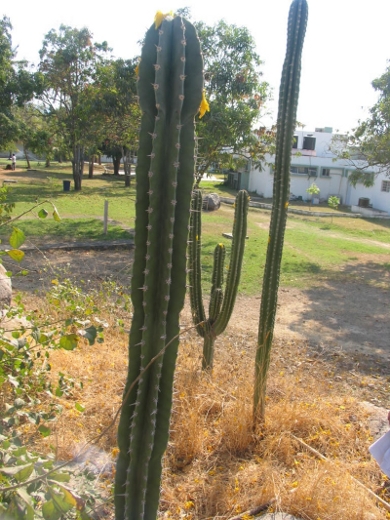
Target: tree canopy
x,y
68,62
17,86
235,93
368,145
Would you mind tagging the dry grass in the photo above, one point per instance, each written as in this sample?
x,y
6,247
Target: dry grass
x,y
217,465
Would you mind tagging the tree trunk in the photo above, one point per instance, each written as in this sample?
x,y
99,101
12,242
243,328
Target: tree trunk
x,y
90,170
47,164
127,167
100,159
26,157
78,166
116,162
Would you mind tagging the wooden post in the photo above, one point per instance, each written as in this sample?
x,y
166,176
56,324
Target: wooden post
x,y
105,216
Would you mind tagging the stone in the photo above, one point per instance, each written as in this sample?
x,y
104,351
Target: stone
x,y
5,287
211,202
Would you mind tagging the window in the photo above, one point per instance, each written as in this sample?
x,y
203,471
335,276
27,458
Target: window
x,y
328,172
386,186
303,170
309,143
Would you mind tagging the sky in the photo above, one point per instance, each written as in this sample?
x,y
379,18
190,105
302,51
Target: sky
x,y
347,43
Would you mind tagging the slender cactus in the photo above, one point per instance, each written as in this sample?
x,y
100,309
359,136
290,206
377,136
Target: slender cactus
x,y
288,102
221,305
170,90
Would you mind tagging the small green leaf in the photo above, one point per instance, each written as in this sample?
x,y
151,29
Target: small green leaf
x,y
64,500
56,215
19,510
17,238
79,407
50,511
20,473
16,254
44,430
69,342
59,476
42,213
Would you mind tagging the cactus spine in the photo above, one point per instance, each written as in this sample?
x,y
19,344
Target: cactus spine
x,y
221,305
170,92
288,101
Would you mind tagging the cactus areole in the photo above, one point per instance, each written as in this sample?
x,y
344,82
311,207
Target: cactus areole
x,y
170,90
287,111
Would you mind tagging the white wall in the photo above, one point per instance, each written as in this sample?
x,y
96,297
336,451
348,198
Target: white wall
x,y
335,184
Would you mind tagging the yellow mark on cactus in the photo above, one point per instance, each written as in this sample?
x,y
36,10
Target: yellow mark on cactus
x,y
204,106
136,70
197,237
220,244
160,17
269,239
286,205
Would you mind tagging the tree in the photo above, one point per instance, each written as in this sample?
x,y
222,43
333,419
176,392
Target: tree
x,y
235,94
313,190
68,63
17,86
368,145
117,103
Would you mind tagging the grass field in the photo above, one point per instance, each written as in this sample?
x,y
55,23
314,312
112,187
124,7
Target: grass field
x,y
316,248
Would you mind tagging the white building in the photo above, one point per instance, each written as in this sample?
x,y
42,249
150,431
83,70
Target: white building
x,y
312,161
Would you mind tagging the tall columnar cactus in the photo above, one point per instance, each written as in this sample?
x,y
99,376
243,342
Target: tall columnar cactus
x,y
221,305
288,101
170,90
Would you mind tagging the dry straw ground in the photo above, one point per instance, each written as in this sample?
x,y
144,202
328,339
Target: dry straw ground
x,y
217,465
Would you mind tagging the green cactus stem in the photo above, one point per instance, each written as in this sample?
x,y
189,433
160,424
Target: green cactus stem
x,y
288,101
221,304
170,90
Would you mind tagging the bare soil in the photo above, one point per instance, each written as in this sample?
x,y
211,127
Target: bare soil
x,y
344,322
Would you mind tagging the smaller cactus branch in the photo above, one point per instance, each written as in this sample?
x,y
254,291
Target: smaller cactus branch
x,y
221,303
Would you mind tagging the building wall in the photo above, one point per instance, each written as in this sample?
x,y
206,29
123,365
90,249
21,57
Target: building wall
x,y
319,166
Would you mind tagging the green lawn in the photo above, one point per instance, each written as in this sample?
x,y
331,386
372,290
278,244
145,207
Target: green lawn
x,y
316,249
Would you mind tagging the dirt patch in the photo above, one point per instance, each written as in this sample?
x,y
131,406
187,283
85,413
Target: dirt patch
x,y
344,322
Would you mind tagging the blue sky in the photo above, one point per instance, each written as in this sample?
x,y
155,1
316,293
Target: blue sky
x,y
346,47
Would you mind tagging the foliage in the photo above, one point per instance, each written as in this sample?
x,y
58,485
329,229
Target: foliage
x,y
32,485
170,90
313,190
333,202
116,102
221,303
235,94
288,102
17,86
368,145
68,64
